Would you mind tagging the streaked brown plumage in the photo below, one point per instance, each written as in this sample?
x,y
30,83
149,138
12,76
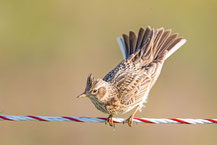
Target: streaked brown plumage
x,y
127,86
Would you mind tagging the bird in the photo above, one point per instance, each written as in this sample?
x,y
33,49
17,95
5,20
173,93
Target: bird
x,y
127,86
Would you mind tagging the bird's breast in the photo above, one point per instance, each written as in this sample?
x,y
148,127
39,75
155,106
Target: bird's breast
x,y
100,106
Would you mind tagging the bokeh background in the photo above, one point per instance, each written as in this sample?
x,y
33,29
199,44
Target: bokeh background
x,y
48,47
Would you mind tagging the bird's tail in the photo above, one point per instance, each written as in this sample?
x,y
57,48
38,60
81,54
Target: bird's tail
x,y
150,45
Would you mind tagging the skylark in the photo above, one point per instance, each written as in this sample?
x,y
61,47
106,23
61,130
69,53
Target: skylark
x,y
127,86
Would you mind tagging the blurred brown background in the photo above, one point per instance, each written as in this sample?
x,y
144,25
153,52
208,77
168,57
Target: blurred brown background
x,y
47,49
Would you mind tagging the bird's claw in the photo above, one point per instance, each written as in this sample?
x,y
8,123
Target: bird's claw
x,y
110,121
129,121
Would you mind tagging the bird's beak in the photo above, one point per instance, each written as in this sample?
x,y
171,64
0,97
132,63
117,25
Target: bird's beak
x,y
82,95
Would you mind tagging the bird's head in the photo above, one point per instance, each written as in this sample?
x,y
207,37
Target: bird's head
x,y
95,88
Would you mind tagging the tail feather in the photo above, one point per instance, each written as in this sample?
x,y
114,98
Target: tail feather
x,y
165,35
127,45
132,40
140,38
176,45
164,48
149,45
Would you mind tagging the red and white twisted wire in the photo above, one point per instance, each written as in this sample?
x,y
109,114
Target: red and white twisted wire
x,y
102,120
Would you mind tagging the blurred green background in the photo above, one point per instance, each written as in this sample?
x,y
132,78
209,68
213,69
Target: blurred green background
x,y
47,49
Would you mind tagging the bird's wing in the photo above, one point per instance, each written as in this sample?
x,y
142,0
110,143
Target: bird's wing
x,y
143,59
134,88
130,80
133,81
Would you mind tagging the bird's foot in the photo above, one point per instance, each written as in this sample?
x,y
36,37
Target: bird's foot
x,y
129,121
110,121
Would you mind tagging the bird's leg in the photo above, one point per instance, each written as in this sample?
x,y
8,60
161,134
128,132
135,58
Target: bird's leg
x,y
130,119
110,121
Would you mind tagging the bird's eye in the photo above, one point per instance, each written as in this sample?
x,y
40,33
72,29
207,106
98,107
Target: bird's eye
x,y
94,91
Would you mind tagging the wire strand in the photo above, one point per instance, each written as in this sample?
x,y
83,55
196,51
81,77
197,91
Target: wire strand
x,y
102,119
